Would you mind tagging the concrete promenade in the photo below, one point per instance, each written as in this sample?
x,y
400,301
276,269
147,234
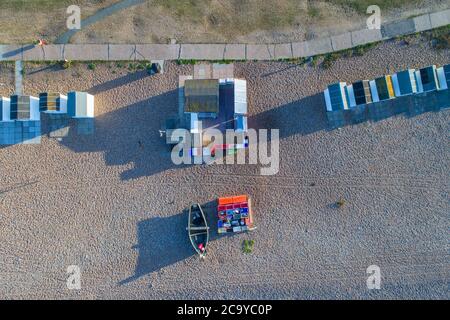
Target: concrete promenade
x,y
114,52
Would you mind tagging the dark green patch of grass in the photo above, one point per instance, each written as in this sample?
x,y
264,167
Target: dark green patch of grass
x,y
91,66
247,246
186,61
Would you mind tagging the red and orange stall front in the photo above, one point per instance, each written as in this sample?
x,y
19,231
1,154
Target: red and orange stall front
x,y
235,214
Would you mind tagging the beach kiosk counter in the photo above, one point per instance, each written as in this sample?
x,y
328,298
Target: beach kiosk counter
x,y
234,214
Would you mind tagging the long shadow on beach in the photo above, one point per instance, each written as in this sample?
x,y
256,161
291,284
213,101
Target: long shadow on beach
x,y
164,241
301,117
131,135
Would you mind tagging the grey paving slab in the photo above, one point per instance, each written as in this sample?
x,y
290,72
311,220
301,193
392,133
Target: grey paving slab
x,y
422,23
283,51
234,52
341,41
48,52
365,36
202,51
439,19
122,52
157,51
10,52
260,51
394,29
86,51
312,47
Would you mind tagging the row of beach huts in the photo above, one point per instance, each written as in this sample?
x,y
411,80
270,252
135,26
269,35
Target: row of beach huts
x,y
340,96
378,95
28,108
20,116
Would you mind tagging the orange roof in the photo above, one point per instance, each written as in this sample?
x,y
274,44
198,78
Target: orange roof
x,y
236,199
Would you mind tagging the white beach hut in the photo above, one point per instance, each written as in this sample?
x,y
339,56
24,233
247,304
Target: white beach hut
x,y
427,79
404,83
5,111
52,102
24,108
80,104
443,77
240,97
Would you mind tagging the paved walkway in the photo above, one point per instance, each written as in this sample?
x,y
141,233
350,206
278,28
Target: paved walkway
x,y
289,50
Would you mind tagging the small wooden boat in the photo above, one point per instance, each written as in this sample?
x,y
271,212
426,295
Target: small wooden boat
x,y
198,229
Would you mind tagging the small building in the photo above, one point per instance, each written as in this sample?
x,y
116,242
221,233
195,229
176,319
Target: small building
x,y
24,108
201,96
336,97
359,93
5,111
427,79
80,104
404,82
240,97
443,77
219,104
52,102
447,74
382,89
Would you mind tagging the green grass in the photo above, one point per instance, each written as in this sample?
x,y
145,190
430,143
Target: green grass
x,y
441,37
313,12
186,61
361,5
91,66
247,246
38,4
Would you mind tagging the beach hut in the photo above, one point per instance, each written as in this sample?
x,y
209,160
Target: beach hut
x,y
404,82
447,74
24,108
382,89
359,93
336,97
80,105
201,96
240,97
427,79
443,77
5,111
52,102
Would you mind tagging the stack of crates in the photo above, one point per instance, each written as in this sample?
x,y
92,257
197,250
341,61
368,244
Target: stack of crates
x,y
234,214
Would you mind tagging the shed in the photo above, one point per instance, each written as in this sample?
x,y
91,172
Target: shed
x,y
80,104
336,97
359,93
404,82
5,111
240,97
442,78
240,124
202,96
382,88
447,74
52,102
427,79
24,108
